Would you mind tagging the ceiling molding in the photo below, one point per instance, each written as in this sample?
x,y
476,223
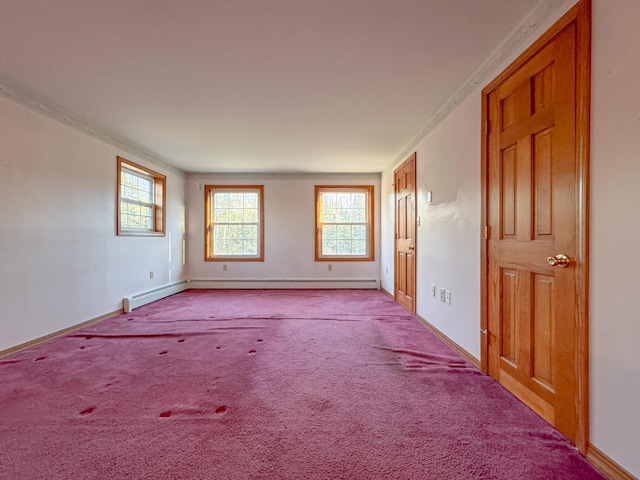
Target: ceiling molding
x,y
506,48
42,107
256,176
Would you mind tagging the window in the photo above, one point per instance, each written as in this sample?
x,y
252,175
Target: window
x,y
141,200
234,223
344,222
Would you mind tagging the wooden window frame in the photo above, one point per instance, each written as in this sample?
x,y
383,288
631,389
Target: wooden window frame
x,y
208,231
369,190
159,202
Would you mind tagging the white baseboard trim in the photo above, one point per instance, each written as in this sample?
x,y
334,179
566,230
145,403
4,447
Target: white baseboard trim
x,y
59,333
140,299
285,283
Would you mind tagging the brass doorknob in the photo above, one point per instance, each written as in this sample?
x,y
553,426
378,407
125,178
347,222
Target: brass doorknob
x,y
411,247
560,260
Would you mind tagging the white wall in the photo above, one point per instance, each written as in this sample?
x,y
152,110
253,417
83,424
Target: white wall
x,y
289,230
61,262
448,243
615,232
387,232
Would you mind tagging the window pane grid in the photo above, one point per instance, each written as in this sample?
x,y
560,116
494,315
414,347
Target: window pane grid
x,y
344,239
136,187
343,222
136,207
343,208
235,223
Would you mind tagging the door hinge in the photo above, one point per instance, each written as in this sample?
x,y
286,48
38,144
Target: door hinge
x,y
486,127
483,331
486,232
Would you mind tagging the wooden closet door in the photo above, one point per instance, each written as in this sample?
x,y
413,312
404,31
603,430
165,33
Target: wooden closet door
x,y
405,198
531,210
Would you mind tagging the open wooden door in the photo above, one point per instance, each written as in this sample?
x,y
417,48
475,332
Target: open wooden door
x,y
404,180
536,212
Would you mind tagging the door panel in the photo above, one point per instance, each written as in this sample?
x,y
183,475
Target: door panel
x,y
543,327
542,187
509,327
405,271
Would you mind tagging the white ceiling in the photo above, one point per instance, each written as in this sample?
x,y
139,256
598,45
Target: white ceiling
x,y
253,85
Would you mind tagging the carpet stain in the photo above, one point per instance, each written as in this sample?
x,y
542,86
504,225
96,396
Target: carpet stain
x,y
218,347
83,347
251,352
9,362
181,340
89,337
164,352
165,414
87,411
222,409
260,340
39,359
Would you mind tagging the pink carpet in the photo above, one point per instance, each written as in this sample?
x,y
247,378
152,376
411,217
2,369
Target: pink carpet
x,y
266,384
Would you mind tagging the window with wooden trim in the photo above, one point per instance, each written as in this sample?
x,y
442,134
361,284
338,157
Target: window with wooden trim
x,y
344,222
141,200
234,222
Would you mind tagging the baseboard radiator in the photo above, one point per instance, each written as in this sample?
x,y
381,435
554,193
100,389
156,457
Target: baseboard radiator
x,y
135,301
286,283
140,299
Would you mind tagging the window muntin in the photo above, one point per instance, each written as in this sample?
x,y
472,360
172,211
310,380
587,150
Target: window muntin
x,y
344,222
141,198
234,222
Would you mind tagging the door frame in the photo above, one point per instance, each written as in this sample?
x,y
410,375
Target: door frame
x,y
580,14
410,158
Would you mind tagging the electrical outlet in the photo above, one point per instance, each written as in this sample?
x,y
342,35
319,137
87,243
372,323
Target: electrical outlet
x,y
442,294
433,290
151,274
447,297
224,267
329,267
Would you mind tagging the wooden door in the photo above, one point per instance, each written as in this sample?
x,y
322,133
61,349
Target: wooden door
x,y
405,197
535,206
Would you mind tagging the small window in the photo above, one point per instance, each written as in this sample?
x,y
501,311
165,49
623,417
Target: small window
x,y
344,222
234,223
141,200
